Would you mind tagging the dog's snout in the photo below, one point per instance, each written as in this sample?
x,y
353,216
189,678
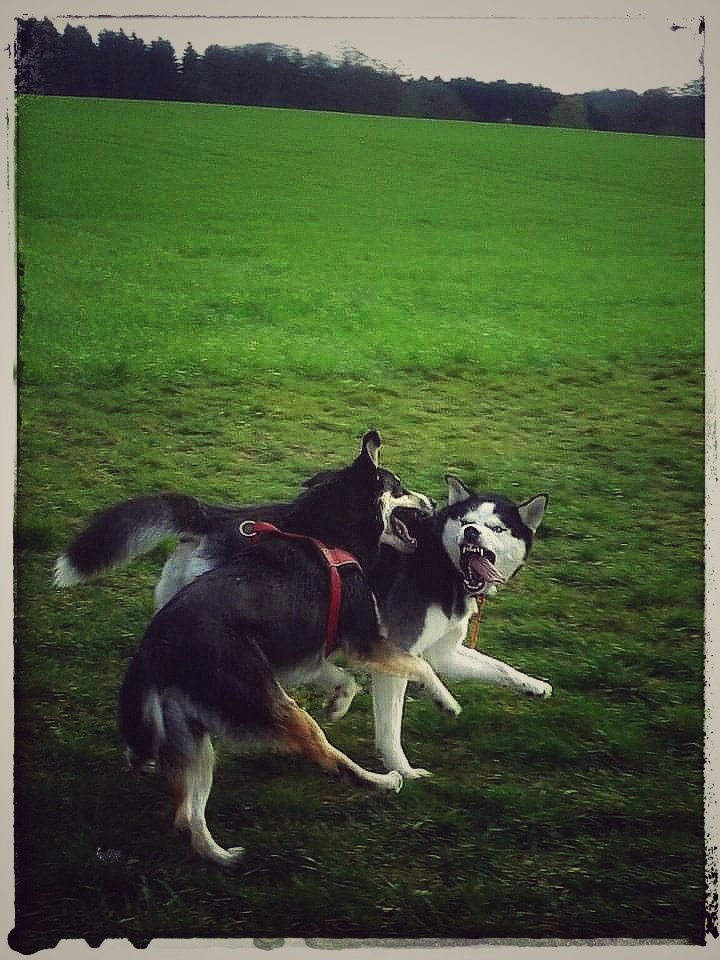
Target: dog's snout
x,y
471,534
472,539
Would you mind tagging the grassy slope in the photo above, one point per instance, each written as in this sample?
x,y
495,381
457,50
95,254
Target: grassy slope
x,y
221,300
351,238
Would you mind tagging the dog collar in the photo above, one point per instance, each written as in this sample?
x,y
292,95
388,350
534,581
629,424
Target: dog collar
x,y
334,557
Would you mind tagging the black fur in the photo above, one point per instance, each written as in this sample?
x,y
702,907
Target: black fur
x,y
133,527
105,541
405,586
222,641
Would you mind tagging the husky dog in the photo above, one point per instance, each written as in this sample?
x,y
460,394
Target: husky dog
x,y
468,549
215,658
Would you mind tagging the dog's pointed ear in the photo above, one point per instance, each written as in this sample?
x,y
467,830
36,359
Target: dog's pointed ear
x,y
456,489
370,447
533,510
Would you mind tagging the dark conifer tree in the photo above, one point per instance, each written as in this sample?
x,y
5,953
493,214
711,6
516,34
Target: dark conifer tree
x,y
37,52
121,65
77,63
161,74
191,74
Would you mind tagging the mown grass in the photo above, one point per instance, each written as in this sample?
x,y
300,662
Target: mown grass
x,y
221,300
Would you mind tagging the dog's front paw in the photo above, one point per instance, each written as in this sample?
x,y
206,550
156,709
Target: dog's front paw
x,y
415,773
337,709
539,688
340,703
393,781
448,705
232,857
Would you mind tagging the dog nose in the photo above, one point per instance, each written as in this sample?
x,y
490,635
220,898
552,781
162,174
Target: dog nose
x,y
471,534
472,538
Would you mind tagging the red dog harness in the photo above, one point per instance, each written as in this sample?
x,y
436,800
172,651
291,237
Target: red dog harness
x,y
334,558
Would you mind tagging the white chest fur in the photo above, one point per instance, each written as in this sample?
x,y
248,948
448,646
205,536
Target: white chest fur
x,y
439,628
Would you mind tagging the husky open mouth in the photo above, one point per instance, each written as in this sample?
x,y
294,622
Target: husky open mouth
x,y
403,521
478,570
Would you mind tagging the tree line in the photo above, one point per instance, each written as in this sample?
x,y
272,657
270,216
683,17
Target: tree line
x,y
267,75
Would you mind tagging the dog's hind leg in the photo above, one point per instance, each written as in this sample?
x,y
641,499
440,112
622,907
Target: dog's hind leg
x,y
385,658
190,777
341,686
186,759
300,734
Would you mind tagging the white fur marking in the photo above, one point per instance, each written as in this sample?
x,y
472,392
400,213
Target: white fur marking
x,y
66,574
147,538
181,568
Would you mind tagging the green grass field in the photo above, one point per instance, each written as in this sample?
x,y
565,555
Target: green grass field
x,y
220,300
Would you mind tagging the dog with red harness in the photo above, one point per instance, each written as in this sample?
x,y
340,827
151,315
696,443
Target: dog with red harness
x,y
207,536
216,658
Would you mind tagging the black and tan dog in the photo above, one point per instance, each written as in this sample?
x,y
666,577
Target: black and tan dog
x,y
206,537
215,658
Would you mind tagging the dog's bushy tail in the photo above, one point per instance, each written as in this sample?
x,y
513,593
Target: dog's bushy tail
x,y
118,534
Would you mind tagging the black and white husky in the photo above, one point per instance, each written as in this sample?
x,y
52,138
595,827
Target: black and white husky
x,y
465,552
216,656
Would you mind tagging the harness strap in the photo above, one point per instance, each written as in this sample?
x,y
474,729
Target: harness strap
x,y
474,625
334,557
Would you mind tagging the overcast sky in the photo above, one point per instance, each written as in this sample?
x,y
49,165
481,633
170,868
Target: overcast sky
x,y
569,54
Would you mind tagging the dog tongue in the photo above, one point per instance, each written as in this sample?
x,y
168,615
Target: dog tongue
x,y
485,570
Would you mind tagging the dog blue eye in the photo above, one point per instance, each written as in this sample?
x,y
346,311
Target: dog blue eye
x,y
495,528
